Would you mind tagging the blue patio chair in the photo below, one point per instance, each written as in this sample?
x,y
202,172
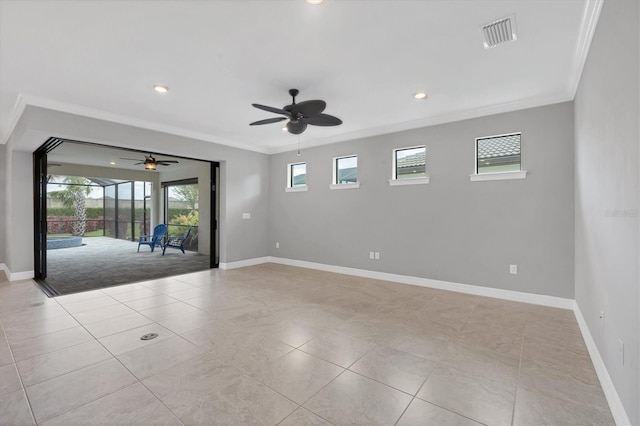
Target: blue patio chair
x,y
176,241
153,240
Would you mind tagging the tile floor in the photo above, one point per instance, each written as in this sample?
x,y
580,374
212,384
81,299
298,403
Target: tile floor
x,y
273,344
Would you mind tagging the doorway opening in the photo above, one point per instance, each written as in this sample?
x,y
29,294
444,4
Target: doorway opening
x,y
84,192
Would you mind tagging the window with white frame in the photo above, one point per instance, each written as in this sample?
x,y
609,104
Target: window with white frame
x,y
497,154
409,163
345,170
297,175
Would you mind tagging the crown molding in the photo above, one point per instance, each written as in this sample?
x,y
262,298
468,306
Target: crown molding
x,y
587,30
16,113
519,104
28,100
36,101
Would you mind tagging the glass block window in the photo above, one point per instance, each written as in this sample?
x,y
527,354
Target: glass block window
x,y
409,163
297,175
345,170
497,154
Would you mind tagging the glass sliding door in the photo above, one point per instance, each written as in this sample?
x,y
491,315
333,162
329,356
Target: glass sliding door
x,y
110,221
142,203
125,229
181,204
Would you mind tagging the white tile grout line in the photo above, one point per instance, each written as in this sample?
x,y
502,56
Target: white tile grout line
x,y
182,337
15,365
515,395
300,407
123,366
300,345
110,353
415,396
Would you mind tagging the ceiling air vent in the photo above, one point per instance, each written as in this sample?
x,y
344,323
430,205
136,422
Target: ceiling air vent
x,y
499,32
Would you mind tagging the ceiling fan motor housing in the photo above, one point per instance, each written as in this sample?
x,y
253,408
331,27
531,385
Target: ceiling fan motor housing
x,y
299,115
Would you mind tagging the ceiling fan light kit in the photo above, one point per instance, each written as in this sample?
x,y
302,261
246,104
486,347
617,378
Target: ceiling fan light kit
x,y
299,114
150,163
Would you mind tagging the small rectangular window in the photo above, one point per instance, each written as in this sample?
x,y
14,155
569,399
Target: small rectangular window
x,y
496,154
409,163
297,175
345,170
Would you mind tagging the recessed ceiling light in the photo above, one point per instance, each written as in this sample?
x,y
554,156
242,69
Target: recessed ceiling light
x,y
420,95
113,163
314,1
160,88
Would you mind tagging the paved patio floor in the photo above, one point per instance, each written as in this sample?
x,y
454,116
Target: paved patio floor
x,y
105,262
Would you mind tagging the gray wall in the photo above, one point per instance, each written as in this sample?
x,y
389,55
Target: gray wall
x,y
3,201
451,229
19,211
244,179
607,191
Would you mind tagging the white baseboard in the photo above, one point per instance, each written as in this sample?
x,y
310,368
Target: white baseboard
x,y
243,263
25,275
516,296
16,276
615,404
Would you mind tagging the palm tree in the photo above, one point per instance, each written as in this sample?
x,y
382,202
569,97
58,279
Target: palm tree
x,y
74,195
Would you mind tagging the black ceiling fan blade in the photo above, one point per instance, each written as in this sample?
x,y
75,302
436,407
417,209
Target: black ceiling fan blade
x,y
324,120
295,128
167,161
308,108
272,109
135,164
267,121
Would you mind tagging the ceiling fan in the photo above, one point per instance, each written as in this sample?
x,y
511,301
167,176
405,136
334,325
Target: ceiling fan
x,y
299,115
150,162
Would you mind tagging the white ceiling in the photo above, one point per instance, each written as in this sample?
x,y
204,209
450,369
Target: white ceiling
x,y
96,155
364,58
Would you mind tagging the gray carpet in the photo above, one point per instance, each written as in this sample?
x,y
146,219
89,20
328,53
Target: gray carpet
x,y
105,262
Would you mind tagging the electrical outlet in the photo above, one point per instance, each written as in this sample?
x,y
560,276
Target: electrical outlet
x,y
513,269
377,255
371,255
246,215
621,349
277,245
